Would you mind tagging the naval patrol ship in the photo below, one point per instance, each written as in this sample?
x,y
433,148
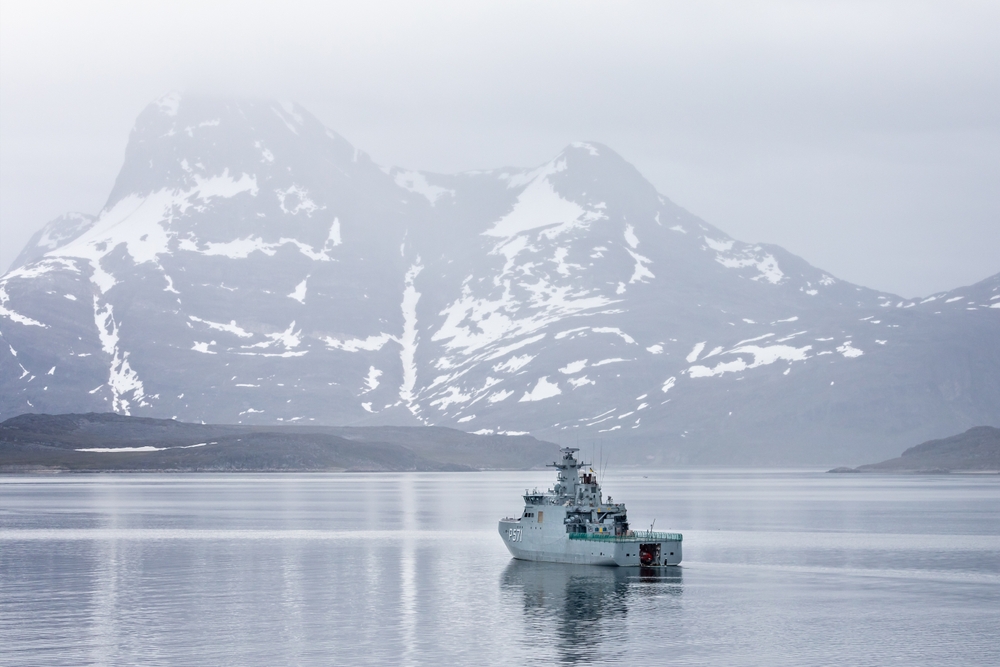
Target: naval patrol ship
x,y
571,523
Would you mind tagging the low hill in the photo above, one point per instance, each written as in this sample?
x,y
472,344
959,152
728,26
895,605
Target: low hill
x,y
978,449
107,441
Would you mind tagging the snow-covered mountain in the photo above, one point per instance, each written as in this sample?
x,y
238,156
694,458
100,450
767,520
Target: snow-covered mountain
x,y
252,266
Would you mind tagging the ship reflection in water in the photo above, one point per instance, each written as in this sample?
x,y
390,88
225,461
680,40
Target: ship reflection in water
x,y
586,607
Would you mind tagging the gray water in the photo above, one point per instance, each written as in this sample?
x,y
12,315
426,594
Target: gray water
x,y
780,568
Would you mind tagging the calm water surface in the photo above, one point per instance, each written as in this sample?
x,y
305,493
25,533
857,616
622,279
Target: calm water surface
x,y
780,568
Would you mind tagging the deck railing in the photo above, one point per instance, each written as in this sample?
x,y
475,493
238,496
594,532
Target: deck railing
x,y
632,536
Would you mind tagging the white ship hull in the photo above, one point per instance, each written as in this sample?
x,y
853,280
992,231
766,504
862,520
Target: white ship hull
x,y
547,541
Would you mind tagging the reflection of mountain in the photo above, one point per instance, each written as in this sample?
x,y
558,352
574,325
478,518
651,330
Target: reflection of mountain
x,y
585,607
252,266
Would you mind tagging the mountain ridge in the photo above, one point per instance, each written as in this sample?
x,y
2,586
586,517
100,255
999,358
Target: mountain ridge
x,y
304,282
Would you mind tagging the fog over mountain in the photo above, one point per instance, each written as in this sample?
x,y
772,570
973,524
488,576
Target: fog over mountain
x,y
251,266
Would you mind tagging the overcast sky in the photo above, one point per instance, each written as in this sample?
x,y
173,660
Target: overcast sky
x,y
863,136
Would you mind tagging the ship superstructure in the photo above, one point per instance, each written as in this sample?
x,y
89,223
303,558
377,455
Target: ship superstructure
x,y
572,523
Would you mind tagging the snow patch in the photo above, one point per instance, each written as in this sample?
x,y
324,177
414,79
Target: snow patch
x,y
243,248
500,396
567,332
112,450
232,327
630,237
289,339
573,367
472,324
543,389
513,364
333,238
718,246
693,355
302,202
715,351
592,150
615,330
453,396
408,341
299,293
370,344
562,266
138,222
514,346
753,340
763,356
125,385
539,205
640,272
848,351
170,285
371,382
414,181
767,266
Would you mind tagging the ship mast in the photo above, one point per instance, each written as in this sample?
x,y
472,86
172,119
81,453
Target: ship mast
x,y
568,476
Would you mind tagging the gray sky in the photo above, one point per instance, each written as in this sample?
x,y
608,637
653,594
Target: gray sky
x,y
863,136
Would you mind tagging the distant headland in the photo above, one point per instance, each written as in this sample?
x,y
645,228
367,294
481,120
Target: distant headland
x,y
976,450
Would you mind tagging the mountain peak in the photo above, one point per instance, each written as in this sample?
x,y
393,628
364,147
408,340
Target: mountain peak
x,y
178,139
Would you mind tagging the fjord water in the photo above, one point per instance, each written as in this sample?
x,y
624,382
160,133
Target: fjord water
x,y
780,568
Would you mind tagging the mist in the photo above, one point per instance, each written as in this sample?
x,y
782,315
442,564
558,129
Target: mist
x,y
864,138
